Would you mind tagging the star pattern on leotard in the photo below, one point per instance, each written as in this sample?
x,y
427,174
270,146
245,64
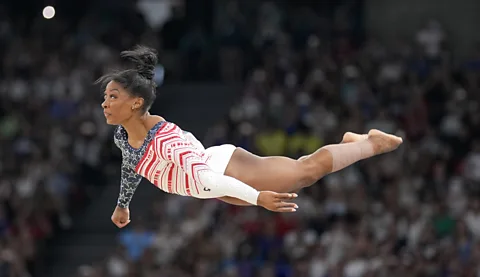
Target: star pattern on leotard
x,y
129,179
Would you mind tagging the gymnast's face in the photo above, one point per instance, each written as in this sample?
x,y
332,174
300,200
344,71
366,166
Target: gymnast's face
x,y
119,105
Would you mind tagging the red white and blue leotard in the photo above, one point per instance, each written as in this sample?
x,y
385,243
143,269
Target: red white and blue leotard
x,y
176,162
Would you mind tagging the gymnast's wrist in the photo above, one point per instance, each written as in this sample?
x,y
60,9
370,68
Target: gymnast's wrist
x,y
122,205
257,199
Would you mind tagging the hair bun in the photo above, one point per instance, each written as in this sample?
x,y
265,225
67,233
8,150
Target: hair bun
x,y
144,58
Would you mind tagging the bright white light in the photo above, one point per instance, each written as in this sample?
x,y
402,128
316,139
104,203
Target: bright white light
x,y
48,12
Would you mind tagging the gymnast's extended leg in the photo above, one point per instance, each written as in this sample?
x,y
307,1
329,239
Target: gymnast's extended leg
x,y
282,174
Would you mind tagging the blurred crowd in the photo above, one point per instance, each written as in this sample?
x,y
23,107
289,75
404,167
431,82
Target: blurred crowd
x,y
52,135
308,77
414,212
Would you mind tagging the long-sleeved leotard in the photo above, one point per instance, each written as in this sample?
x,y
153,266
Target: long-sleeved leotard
x,y
175,162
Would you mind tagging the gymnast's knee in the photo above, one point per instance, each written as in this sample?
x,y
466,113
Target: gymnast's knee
x,y
309,172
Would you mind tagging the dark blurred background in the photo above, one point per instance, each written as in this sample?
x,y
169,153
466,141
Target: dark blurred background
x,y
275,77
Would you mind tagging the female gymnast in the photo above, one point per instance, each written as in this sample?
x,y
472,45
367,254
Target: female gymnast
x,y
176,162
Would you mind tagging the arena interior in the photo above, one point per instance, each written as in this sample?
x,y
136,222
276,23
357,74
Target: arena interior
x,y
278,77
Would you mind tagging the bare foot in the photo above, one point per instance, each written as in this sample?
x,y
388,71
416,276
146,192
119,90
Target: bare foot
x,y
352,137
383,142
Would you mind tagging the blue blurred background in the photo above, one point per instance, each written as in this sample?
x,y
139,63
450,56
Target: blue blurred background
x,y
275,77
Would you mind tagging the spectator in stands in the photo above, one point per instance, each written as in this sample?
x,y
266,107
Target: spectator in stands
x,y
136,241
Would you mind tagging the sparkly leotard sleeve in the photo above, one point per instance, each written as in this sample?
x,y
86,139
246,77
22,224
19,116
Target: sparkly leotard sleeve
x,y
129,180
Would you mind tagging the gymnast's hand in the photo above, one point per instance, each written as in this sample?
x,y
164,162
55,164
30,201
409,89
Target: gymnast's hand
x,y
277,202
121,217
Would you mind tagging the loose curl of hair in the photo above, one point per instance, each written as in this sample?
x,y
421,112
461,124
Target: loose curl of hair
x,y
137,81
